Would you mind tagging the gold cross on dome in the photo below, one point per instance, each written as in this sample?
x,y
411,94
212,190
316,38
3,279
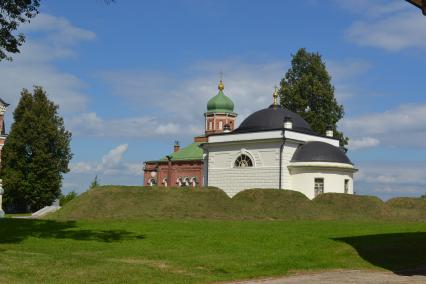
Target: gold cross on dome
x,y
221,86
275,96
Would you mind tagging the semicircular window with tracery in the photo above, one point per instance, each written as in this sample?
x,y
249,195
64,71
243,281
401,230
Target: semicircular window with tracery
x,y
243,161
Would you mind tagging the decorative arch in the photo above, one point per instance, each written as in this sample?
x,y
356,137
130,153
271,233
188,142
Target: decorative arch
x,y
194,181
185,181
243,153
243,161
152,182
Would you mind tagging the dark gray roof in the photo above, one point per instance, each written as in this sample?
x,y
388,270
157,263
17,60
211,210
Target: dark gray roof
x,y
4,103
272,118
315,151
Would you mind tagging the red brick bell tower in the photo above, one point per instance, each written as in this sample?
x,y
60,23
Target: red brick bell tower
x,y
220,116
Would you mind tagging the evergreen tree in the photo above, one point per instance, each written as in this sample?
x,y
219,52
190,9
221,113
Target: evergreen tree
x,y
307,90
36,153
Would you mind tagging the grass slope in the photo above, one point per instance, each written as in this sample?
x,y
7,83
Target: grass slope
x,y
124,202
199,251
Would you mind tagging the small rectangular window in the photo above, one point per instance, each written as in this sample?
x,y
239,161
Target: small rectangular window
x,y
346,188
319,186
210,125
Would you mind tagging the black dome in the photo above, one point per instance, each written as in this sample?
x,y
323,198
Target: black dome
x,y
315,151
272,118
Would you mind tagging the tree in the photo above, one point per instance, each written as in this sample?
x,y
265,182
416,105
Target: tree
x,y
12,14
95,183
64,199
307,90
36,154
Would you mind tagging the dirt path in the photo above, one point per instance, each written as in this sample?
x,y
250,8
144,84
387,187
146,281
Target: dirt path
x,y
342,276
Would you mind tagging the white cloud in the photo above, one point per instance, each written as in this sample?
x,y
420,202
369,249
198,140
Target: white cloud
x,y
112,163
62,30
49,38
250,86
171,106
344,74
81,167
373,9
405,118
90,124
391,178
113,158
392,26
403,126
362,143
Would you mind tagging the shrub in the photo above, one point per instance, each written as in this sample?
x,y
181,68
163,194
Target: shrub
x,y
67,198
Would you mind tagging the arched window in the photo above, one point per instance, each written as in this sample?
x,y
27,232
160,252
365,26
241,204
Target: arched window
x,y
152,182
243,161
194,181
165,182
185,181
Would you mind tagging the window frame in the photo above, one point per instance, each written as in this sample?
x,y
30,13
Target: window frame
x,y
346,186
319,183
238,164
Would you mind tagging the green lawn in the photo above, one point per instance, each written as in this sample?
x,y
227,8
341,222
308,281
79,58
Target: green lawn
x,y
199,251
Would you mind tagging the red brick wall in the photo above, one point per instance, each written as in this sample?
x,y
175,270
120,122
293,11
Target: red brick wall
x,y
215,121
179,169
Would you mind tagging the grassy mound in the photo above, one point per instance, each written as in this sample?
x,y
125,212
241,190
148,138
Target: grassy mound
x,y
274,204
135,202
130,202
408,208
408,203
346,206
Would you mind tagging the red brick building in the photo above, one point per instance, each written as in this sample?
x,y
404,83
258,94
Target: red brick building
x,y
184,167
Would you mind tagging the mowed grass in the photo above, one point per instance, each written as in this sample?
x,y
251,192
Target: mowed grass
x,y
199,251
132,202
117,234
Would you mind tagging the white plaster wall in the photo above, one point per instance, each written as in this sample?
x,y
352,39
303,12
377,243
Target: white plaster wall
x,y
303,180
288,152
264,174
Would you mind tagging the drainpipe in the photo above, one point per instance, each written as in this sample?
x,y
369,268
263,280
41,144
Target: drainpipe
x,y
281,160
205,166
206,181
169,171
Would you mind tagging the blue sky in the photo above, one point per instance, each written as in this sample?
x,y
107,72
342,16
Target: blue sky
x,y
133,76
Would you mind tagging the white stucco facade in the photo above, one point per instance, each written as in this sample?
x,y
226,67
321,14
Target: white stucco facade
x,y
271,153
337,178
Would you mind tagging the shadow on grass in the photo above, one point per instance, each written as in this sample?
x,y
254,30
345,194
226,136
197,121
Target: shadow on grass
x,y
401,253
14,231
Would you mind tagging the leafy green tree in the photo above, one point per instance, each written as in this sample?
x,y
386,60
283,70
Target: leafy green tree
x,y
307,90
64,199
12,14
36,154
95,183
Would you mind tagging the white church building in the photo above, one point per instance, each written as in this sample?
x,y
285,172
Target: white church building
x,y
276,148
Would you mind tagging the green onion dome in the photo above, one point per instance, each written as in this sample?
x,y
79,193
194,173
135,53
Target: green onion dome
x,y
220,102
